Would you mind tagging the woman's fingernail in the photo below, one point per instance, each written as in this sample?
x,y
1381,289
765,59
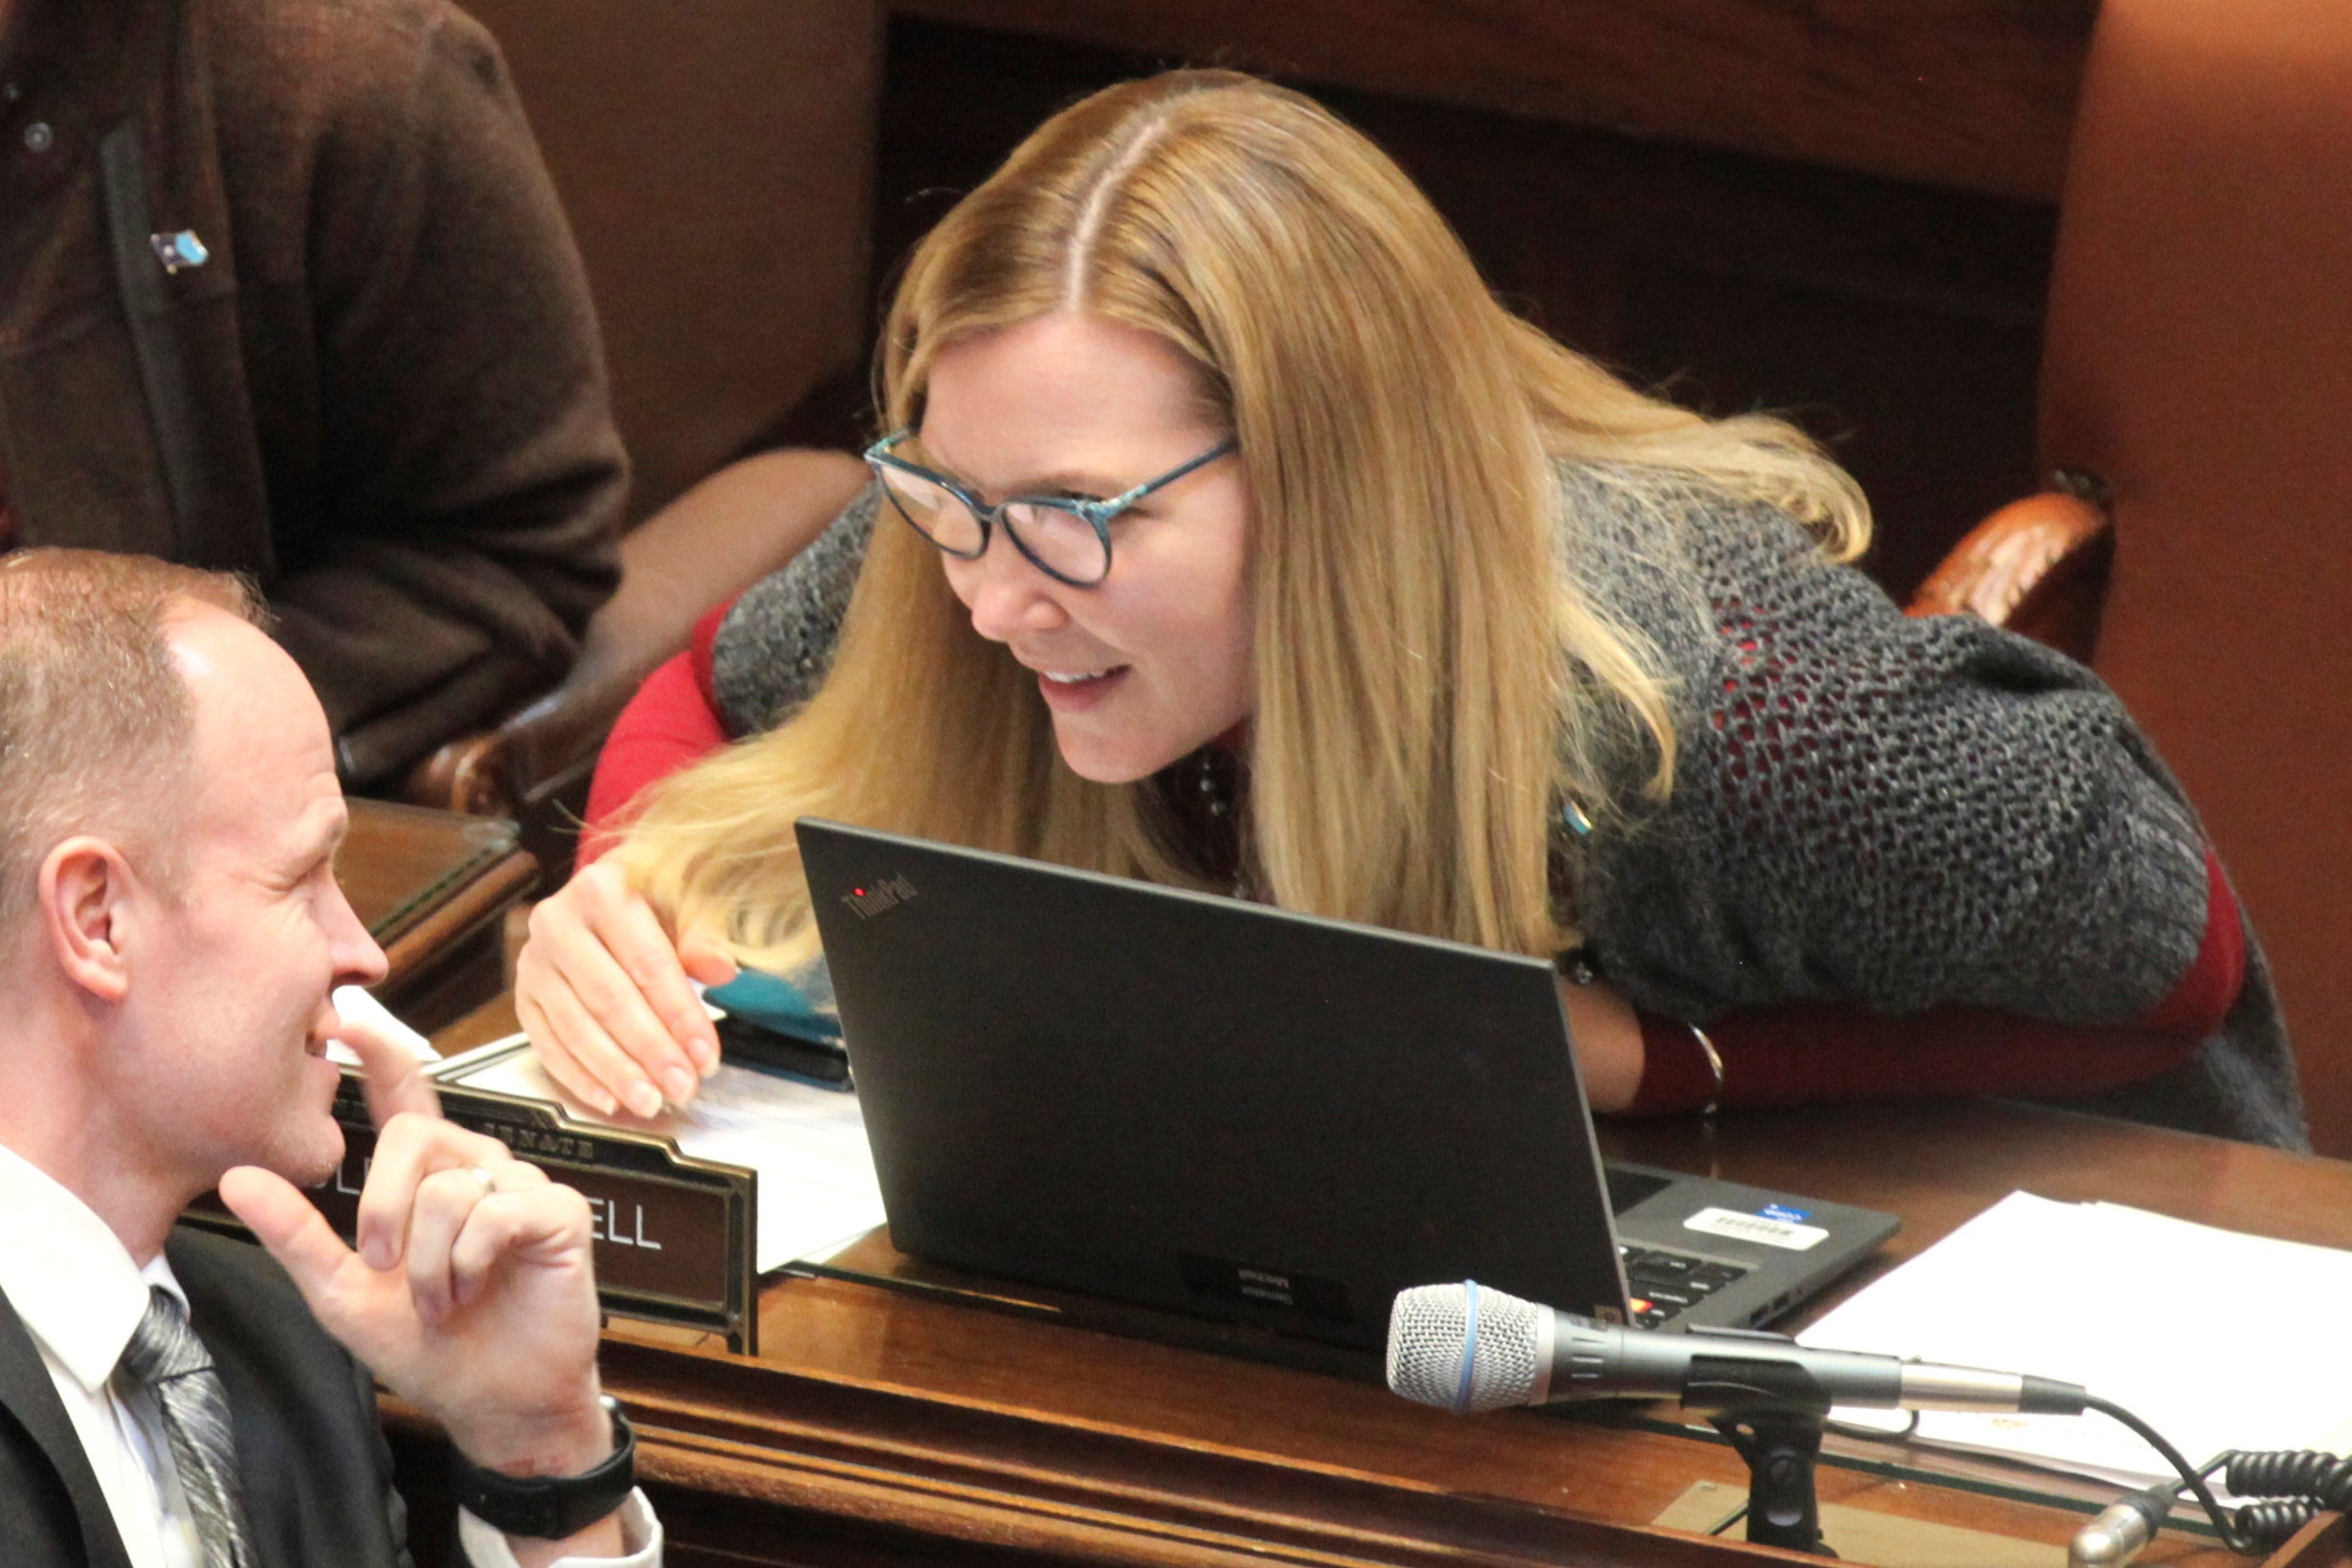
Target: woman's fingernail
x,y
680,1084
644,1098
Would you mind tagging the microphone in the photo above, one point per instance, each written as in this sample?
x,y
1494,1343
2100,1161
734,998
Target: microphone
x,y
1467,1348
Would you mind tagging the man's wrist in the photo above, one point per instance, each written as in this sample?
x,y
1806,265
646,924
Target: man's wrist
x,y
528,1496
553,1444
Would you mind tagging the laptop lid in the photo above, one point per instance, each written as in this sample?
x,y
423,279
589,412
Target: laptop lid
x,y
1212,1107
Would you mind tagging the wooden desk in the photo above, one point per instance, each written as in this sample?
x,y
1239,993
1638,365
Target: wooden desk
x,y
881,1424
434,888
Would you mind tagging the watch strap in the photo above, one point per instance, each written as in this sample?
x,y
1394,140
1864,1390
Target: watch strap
x,y
550,1507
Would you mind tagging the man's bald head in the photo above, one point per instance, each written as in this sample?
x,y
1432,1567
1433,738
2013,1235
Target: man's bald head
x,y
96,718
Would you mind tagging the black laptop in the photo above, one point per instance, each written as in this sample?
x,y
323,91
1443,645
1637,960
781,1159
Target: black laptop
x,y
1225,1112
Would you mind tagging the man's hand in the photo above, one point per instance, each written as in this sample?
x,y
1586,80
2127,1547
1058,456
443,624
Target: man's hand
x,y
472,1293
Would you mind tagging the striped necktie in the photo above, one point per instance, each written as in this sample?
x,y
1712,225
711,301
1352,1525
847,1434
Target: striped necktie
x,y
164,1355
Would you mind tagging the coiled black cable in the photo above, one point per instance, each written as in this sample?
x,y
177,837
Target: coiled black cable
x,y
2295,1486
2270,1524
2290,1486
2325,1478
2226,1521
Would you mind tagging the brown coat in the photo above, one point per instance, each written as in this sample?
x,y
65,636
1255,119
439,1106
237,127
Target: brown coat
x,y
381,394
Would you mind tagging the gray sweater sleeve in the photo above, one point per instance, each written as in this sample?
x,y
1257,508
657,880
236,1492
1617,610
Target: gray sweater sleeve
x,y
774,648
1885,810
1867,808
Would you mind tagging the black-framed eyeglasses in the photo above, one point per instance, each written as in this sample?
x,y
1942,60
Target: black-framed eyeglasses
x,y
1067,538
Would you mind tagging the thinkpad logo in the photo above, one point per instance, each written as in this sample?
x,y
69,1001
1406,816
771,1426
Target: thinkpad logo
x,y
873,899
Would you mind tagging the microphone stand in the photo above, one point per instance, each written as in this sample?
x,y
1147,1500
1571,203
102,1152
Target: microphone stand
x,y
1773,1417
1780,1443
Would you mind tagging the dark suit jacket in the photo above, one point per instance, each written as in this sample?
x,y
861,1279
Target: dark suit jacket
x,y
315,1472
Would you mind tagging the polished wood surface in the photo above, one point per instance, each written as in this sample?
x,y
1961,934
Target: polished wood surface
x,y
434,888
2039,567
1030,1398
893,1422
1974,94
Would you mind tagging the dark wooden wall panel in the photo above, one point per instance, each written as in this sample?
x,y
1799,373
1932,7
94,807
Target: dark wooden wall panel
x,y
1896,320
714,156
1973,94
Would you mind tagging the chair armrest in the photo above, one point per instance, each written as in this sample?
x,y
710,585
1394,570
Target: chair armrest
x,y
2037,567
466,775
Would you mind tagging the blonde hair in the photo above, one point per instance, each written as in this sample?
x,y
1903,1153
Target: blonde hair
x,y
95,720
1420,633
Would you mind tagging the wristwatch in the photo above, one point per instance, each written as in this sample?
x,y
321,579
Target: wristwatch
x,y
550,1507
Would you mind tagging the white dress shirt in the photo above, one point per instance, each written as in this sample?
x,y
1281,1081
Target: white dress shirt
x,y
79,1295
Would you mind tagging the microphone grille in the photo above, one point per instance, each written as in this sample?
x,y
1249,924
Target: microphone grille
x,y
1462,1347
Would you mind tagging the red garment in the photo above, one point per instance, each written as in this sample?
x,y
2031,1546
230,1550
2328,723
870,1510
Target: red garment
x,y
1779,1056
1821,1051
673,720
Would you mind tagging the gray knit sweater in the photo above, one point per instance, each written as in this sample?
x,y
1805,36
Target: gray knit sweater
x,y
1867,808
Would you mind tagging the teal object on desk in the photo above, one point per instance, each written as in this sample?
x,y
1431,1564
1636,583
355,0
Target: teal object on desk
x,y
805,1010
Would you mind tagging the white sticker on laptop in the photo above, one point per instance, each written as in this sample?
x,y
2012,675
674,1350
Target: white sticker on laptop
x,y
1756,1227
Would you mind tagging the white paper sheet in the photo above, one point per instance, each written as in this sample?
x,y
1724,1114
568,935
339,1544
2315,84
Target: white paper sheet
x,y
817,1189
2216,1338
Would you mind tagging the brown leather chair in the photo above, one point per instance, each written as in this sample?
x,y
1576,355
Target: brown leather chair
x,y
2197,382
717,161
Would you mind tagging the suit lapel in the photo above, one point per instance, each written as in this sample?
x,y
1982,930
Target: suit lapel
x,y
30,1398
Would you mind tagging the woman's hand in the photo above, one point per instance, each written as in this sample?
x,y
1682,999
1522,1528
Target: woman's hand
x,y
1606,1034
602,991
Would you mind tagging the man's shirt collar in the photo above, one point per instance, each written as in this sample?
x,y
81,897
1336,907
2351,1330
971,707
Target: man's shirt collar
x,y
67,1274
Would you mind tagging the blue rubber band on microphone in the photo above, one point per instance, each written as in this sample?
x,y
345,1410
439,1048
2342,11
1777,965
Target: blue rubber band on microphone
x,y
1470,1345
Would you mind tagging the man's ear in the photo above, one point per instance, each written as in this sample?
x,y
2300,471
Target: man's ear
x,y
86,893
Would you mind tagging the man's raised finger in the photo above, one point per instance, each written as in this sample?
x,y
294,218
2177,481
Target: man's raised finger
x,y
393,1073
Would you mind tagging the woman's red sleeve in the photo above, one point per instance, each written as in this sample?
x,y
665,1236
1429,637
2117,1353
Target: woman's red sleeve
x,y
1820,1052
671,722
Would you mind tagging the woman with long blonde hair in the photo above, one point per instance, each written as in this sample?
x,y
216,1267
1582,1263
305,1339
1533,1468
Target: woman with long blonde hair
x,y
1228,534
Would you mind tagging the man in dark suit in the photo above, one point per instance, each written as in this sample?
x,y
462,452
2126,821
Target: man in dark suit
x,y
171,930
